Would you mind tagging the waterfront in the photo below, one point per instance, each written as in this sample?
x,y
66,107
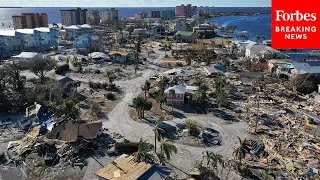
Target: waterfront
x,y
55,17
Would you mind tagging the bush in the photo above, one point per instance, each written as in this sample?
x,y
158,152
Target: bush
x,y
110,96
61,69
193,127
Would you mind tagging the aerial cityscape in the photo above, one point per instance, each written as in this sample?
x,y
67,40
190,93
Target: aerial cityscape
x,y
154,90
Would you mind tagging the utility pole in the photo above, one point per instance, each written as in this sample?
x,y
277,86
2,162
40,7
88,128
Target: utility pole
x,y
257,118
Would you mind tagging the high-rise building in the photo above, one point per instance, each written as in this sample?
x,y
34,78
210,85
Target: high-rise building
x,y
30,20
156,14
187,10
167,15
110,15
138,15
93,17
74,16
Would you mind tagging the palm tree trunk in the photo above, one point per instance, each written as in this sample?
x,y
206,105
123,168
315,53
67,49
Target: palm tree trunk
x,y
172,106
155,141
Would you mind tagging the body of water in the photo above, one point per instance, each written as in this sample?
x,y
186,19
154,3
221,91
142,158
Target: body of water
x,y
55,17
254,24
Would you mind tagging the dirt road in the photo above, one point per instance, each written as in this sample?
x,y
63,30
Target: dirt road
x,y
119,121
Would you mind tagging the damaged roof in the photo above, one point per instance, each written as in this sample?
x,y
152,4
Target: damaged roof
x,y
68,131
126,168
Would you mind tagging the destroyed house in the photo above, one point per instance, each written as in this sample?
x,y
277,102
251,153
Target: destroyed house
x,y
127,168
69,131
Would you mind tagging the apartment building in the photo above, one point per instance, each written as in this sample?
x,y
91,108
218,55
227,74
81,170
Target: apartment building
x,y
186,10
110,15
167,15
93,17
74,17
30,20
38,39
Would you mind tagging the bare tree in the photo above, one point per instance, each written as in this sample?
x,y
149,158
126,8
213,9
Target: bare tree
x,y
40,66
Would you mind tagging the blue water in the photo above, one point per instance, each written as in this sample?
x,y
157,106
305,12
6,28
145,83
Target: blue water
x,y
54,12
255,24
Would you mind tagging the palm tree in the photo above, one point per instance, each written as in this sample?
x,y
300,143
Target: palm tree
x,y
160,98
144,152
208,167
138,104
167,149
147,86
172,92
110,75
159,134
162,84
243,149
141,104
213,159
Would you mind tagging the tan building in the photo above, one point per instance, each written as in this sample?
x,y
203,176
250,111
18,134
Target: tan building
x,y
110,15
30,20
74,16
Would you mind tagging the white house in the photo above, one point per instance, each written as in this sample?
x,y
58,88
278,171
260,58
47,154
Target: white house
x,y
74,31
263,51
25,56
242,46
253,50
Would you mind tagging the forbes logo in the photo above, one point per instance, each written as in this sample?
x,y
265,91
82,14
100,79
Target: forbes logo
x,y
281,15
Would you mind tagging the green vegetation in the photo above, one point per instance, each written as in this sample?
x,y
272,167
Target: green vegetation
x,y
208,166
142,104
193,127
243,149
144,152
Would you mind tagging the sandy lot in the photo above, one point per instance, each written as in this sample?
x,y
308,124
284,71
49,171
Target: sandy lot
x,y
119,121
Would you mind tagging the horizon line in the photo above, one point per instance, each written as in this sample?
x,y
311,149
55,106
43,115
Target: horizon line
x,y
128,6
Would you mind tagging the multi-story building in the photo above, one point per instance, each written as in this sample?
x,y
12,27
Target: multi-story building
x,y
74,16
178,26
94,17
158,31
167,15
187,10
110,15
38,39
72,32
204,12
138,15
10,41
30,20
86,43
155,14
